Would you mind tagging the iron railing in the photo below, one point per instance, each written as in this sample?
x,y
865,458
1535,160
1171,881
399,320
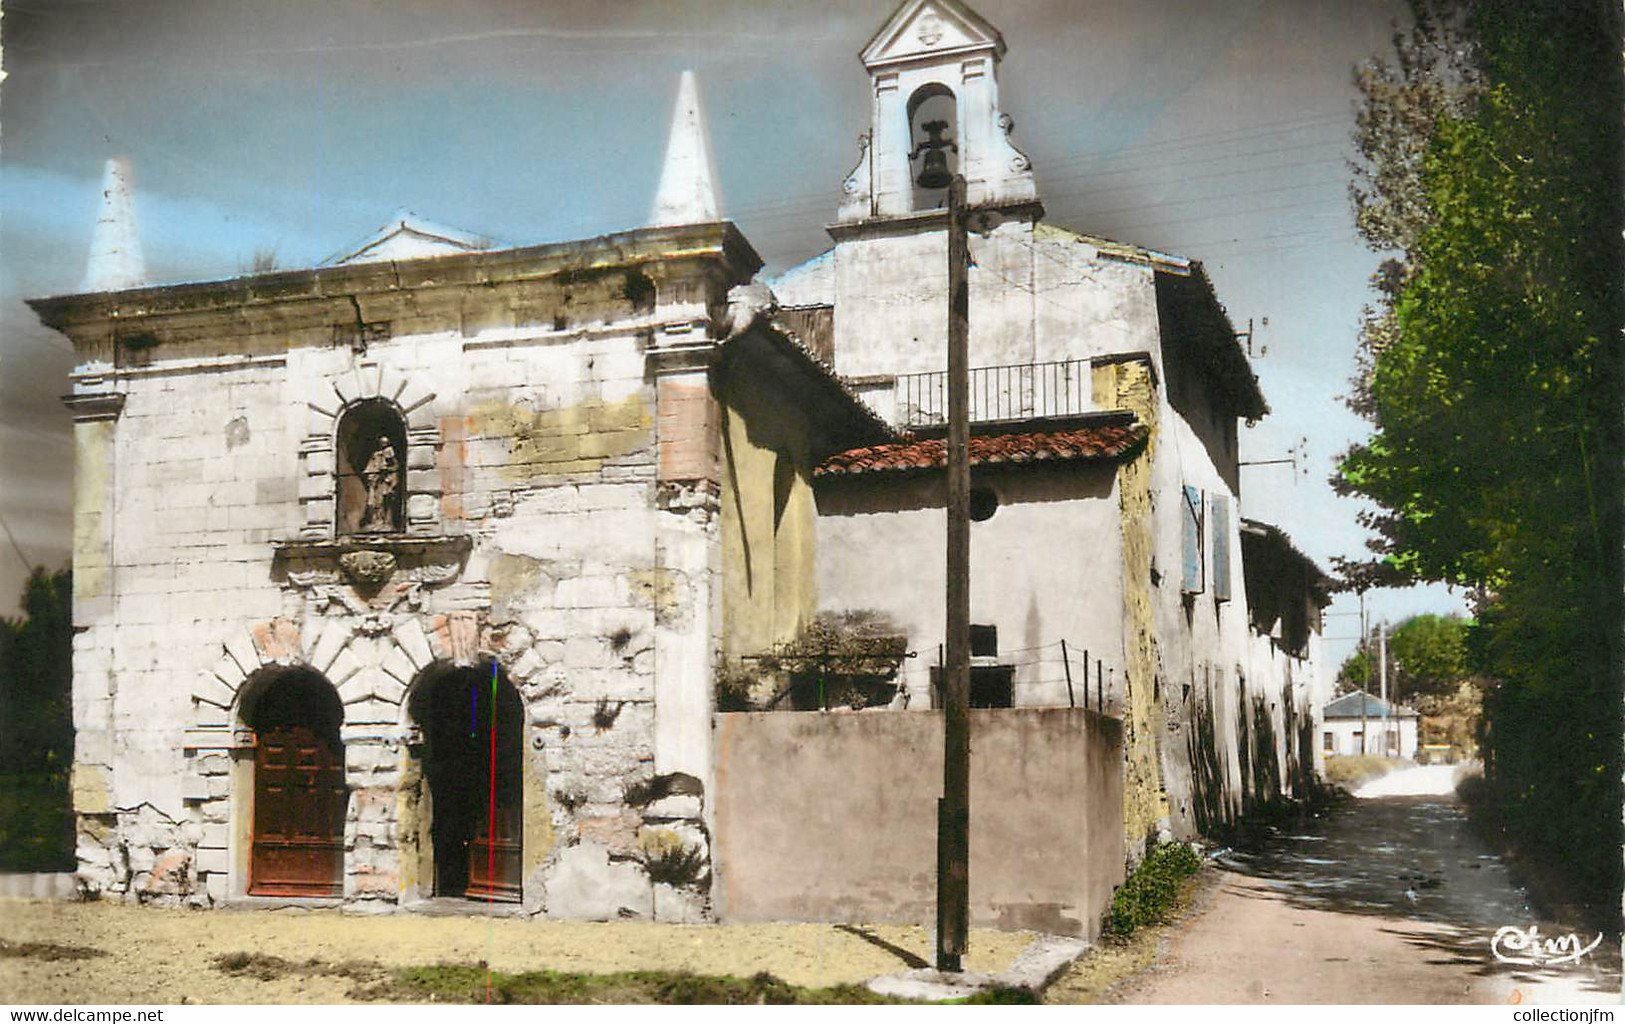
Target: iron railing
x,y
1018,392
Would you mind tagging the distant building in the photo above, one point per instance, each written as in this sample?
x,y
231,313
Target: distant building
x,y
1358,723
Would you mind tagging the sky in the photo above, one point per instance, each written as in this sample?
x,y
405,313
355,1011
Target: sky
x,y
1215,130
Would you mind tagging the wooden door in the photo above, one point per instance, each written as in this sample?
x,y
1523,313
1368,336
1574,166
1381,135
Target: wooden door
x,y
299,801
494,863
477,814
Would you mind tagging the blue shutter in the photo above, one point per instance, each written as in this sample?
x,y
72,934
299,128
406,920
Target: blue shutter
x,y
1221,547
1191,578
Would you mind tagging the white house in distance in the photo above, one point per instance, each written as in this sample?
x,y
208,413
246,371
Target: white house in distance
x,y
1346,722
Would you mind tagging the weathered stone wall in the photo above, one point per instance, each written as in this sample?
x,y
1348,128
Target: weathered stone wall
x,y
539,537
833,817
1132,385
1291,687
1202,645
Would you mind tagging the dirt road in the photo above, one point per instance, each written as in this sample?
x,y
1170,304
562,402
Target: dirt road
x,y
1391,899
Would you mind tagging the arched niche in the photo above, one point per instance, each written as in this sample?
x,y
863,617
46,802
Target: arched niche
x,y
327,400
934,138
370,465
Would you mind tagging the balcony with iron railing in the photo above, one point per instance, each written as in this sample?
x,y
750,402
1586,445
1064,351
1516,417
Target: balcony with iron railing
x,y
1024,391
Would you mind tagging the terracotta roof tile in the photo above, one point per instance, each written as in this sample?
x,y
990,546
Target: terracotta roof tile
x,y
1084,444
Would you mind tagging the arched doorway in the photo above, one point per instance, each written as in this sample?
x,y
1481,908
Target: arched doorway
x,y
473,761
299,789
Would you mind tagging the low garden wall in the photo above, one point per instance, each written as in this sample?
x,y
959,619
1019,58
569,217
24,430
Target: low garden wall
x,y
833,817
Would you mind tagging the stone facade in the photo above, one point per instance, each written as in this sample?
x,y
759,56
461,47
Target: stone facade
x,y
560,473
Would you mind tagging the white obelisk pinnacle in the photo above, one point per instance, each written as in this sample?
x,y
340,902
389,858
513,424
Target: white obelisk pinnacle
x,y
115,249
688,193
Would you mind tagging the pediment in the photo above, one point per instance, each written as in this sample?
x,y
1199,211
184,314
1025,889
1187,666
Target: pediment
x,y
922,28
408,236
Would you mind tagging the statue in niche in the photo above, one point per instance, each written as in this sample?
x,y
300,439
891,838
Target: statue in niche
x,y
382,479
370,489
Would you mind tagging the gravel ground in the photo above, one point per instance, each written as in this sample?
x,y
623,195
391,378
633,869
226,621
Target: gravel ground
x,y
165,956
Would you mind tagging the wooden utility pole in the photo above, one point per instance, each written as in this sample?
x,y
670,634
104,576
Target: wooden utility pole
x,y
1382,646
953,811
1365,683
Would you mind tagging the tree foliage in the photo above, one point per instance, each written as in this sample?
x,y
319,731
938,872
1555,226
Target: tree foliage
x,y
1428,654
1490,375
36,728
1427,657
36,678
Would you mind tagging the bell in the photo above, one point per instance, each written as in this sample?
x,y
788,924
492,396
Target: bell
x,y
935,173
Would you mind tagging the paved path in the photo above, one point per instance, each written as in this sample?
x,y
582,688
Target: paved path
x,y
1390,899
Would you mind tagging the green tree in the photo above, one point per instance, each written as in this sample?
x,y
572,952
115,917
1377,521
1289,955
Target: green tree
x,y
36,728
1358,672
36,677
1490,375
1427,655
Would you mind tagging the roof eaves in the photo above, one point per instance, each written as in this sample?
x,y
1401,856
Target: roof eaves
x,y
868,425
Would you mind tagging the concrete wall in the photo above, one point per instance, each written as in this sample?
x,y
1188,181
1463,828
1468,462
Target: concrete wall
x,y
1044,568
1037,294
767,516
832,817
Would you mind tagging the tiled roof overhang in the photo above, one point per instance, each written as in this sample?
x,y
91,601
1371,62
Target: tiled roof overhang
x,y
1274,544
1099,438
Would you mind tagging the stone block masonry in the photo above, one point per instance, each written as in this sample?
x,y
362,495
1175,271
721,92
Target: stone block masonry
x,y
529,533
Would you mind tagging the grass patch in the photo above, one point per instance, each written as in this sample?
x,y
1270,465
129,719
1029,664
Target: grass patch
x,y
1116,958
467,983
47,951
263,967
1351,771
1151,893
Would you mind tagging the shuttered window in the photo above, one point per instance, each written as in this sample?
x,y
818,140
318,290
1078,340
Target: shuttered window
x,y
1191,577
1220,504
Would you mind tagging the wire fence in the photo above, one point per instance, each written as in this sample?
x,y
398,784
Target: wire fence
x,y
1058,673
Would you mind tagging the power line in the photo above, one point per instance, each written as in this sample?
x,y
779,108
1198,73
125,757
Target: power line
x,y
15,546
1085,159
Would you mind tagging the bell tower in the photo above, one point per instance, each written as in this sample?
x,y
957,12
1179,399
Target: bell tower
x,y
933,69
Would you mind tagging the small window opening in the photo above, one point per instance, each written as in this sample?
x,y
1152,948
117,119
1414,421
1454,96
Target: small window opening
x,y
983,503
991,686
984,641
